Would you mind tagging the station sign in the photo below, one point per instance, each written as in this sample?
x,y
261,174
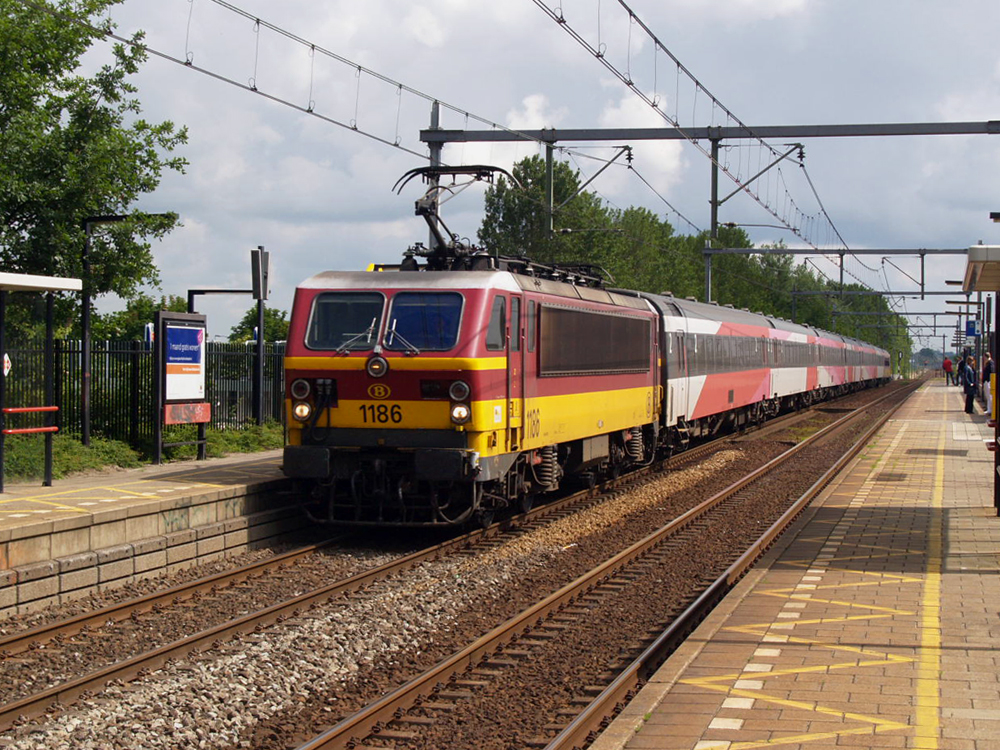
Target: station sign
x,y
185,363
973,328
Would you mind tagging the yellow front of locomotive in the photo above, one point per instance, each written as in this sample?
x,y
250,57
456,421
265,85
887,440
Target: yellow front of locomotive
x,y
387,391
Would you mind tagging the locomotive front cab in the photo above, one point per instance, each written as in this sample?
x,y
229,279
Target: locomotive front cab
x,y
387,387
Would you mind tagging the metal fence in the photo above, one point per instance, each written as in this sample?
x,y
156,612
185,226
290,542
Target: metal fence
x,y
121,400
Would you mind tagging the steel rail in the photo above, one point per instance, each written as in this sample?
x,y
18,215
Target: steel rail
x,y
25,640
352,730
16,643
64,693
581,731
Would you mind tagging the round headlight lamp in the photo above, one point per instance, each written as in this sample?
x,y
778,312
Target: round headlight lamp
x,y
459,390
300,389
377,367
460,413
301,411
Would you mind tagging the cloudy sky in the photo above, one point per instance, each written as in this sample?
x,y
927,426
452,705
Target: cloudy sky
x,y
319,196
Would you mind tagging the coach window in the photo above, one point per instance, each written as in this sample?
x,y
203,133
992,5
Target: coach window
x,y
498,320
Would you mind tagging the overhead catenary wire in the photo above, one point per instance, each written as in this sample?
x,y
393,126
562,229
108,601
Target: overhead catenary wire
x,y
800,222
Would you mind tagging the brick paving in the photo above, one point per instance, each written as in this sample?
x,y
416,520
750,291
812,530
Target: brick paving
x,y
874,622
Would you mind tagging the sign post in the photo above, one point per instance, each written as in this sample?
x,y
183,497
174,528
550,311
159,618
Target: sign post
x,y
179,347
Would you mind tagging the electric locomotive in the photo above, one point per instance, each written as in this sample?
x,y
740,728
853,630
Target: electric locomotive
x,y
428,397
439,392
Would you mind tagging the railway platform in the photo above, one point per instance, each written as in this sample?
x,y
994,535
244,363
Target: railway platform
x,y
96,532
873,622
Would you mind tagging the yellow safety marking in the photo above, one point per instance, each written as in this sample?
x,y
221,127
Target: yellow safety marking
x,y
838,647
929,663
58,506
928,658
194,485
833,569
889,610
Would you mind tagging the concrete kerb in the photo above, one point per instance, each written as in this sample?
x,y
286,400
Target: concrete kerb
x,y
64,559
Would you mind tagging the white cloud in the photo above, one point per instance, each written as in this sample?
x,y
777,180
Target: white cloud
x,y
662,163
320,195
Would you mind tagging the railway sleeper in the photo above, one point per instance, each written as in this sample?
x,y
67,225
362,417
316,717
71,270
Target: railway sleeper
x,y
417,721
397,734
464,682
517,653
455,695
499,663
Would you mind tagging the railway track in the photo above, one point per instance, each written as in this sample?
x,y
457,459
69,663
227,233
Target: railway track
x,y
202,593
435,697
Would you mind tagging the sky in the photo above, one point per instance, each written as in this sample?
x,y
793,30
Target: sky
x,y
318,195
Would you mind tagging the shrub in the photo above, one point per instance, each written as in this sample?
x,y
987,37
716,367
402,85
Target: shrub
x,y
24,456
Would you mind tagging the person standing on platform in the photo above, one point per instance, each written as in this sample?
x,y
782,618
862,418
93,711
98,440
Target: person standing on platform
x,y
960,372
969,380
987,383
948,380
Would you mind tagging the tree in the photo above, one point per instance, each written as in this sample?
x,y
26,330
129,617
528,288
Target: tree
x,y
275,326
516,217
75,146
130,324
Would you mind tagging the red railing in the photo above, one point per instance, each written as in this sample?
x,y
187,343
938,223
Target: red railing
x,y
29,410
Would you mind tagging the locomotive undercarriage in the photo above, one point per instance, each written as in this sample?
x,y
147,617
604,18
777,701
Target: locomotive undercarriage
x,y
391,487
440,487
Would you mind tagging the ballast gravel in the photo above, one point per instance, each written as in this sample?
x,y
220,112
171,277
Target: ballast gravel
x,y
218,699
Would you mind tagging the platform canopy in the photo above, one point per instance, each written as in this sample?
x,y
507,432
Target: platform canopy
x,y
22,282
982,269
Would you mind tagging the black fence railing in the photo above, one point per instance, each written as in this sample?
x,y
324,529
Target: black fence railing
x,y
121,400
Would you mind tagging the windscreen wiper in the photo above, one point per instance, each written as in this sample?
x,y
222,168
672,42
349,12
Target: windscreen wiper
x,y
394,334
366,333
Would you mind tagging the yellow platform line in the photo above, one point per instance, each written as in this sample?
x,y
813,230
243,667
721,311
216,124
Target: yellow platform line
x,y
929,669
927,658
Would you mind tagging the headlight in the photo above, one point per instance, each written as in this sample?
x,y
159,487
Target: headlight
x,y
301,411
300,389
460,413
377,367
459,390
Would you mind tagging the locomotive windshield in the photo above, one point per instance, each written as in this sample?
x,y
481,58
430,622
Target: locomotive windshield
x,y
345,321
422,321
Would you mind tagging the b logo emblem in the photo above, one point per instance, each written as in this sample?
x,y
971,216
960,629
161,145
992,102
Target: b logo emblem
x,y
379,391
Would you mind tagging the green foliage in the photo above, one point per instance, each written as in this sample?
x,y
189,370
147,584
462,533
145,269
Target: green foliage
x,y
641,251
275,326
24,456
130,324
264,437
73,147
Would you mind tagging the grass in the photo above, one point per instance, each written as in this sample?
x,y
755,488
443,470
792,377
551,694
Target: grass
x,y
24,455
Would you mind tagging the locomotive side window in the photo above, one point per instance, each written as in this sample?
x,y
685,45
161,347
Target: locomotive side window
x,y
498,320
574,341
423,321
531,326
345,321
515,324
